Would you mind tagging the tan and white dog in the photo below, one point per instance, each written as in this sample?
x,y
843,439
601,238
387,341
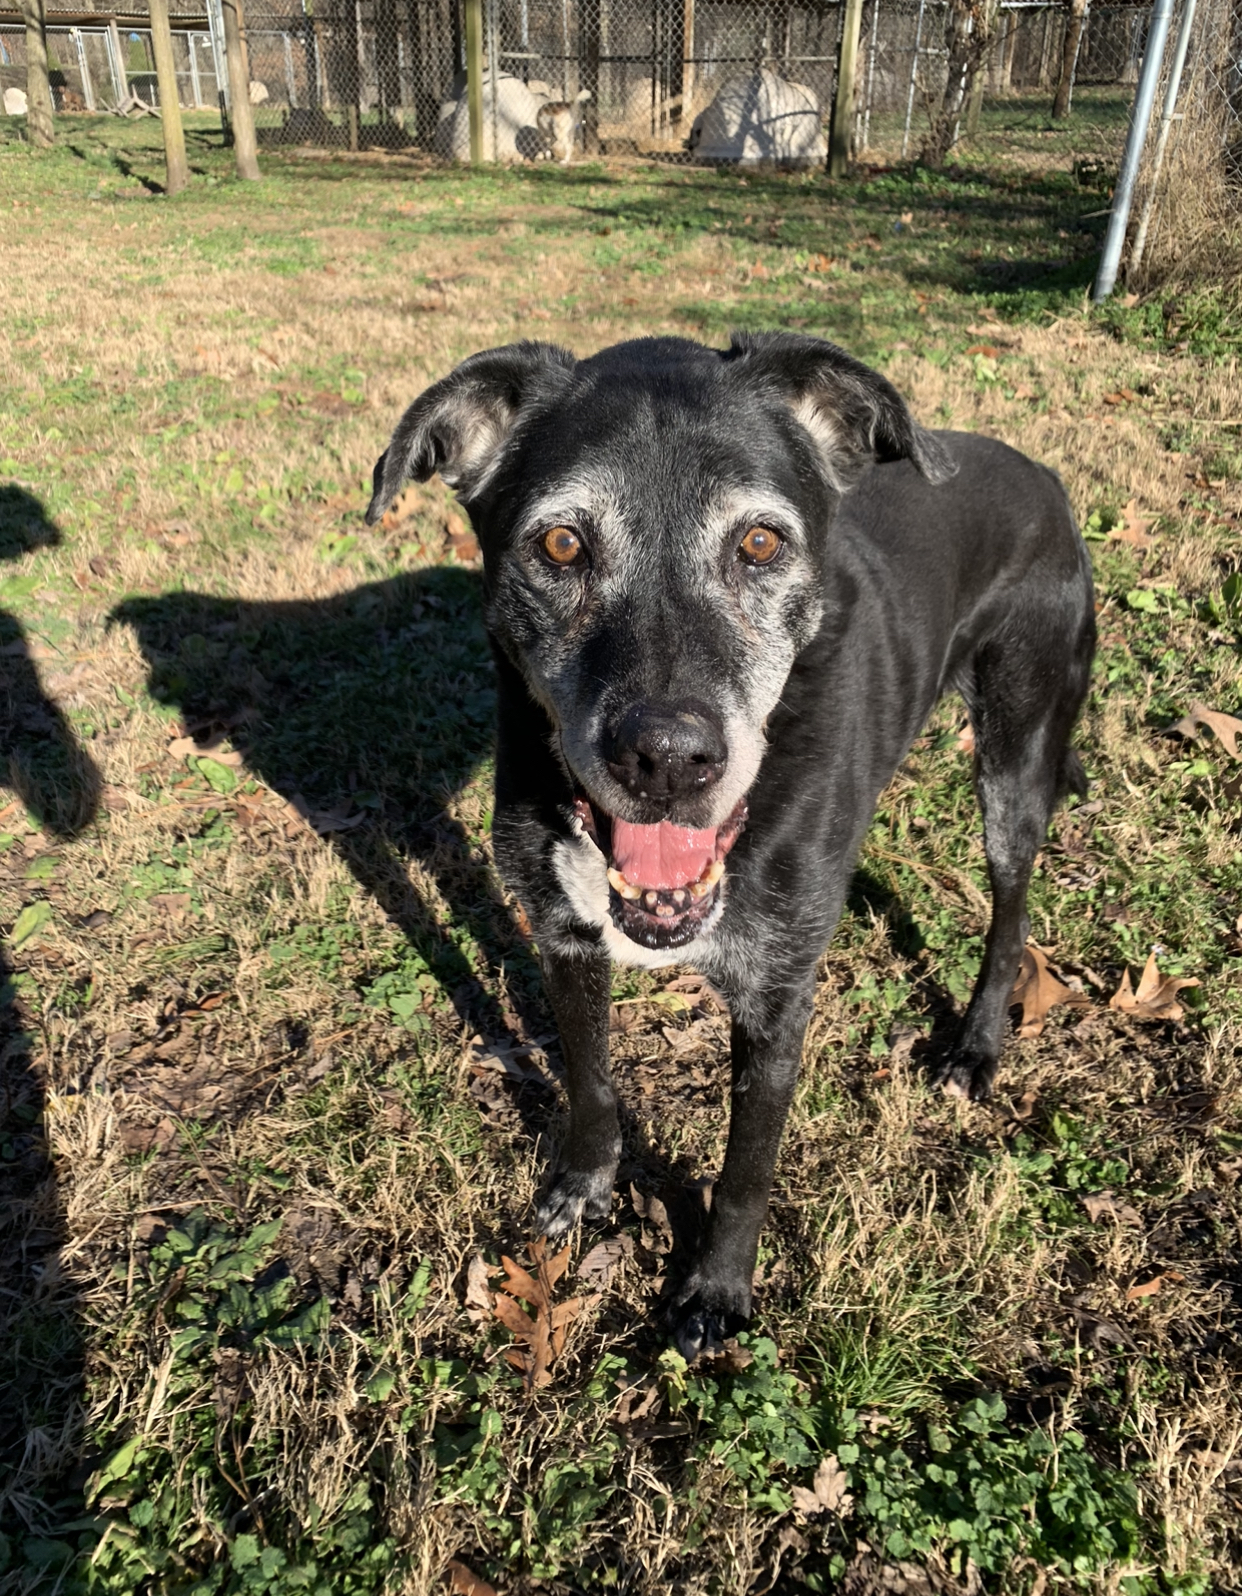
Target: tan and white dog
x,y
559,121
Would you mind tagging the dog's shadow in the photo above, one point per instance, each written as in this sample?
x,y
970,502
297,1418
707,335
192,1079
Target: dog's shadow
x,y
377,706
372,711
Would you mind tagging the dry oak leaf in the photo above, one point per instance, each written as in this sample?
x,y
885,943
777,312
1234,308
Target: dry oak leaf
x,y
1226,727
829,1491
1133,530
464,1581
1156,998
1038,991
541,1335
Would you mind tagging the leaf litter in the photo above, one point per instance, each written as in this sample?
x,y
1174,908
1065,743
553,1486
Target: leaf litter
x,y
1039,991
829,1492
541,1333
1156,998
1225,727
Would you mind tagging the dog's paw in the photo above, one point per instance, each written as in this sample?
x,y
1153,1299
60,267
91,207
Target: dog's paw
x,y
574,1195
705,1316
967,1073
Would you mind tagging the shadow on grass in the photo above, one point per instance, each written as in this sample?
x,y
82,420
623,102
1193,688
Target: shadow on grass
x,y
373,709
41,1357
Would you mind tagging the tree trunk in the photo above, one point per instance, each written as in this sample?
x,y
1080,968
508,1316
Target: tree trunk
x,y
841,139
176,171
967,40
979,75
1069,58
38,89
245,146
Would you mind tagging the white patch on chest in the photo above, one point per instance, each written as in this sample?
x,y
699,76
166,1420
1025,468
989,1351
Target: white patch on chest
x,y
581,871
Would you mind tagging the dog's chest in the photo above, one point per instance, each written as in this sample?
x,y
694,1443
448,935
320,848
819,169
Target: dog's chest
x,y
581,871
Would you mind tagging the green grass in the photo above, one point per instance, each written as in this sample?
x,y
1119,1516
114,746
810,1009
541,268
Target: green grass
x,y
271,1082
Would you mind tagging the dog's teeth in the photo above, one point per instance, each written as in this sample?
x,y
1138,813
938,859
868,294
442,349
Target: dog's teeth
x,y
622,886
709,878
679,897
650,899
665,910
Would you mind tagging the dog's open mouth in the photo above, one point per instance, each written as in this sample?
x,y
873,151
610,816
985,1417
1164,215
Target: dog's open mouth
x,y
663,880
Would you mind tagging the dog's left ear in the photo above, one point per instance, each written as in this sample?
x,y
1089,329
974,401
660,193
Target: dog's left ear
x,y
854,415
459,424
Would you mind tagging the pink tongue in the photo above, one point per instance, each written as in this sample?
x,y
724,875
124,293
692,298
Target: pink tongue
x,y
662,856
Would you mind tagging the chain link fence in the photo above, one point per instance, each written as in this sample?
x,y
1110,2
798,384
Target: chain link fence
x,y
1189,202
709,79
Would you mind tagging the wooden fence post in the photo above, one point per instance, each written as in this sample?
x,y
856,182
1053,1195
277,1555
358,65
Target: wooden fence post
x,y
843,99
245,146
474,77
176,171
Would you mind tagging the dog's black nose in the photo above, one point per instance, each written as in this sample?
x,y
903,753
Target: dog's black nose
x,y
666,753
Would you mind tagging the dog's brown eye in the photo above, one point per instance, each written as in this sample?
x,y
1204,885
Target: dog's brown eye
x,y
562,545
760,546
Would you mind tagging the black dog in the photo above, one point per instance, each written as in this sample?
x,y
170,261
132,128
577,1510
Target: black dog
x,y
725,589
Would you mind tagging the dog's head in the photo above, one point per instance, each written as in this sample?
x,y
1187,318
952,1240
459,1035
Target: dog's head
x,y
656,530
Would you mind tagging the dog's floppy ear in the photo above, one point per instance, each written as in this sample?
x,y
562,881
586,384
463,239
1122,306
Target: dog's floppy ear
x,y
854,415
457,426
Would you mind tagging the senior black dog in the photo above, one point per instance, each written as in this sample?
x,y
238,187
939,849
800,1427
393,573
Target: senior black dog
x,y
725,589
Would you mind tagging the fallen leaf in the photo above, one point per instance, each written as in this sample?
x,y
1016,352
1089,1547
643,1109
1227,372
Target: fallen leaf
x,y
597,1268
1038,991
176,905
478,1300
1156,998
32,919
965,739
990,350
464,1581
1133,530
541,1335
639,1401
182,747
148,1138
1024,391
1100,1333
659,1240
1105,1206
1148,1288
829,1491
1226,727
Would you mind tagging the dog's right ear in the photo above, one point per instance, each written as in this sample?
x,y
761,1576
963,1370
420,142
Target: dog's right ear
x,y
459,424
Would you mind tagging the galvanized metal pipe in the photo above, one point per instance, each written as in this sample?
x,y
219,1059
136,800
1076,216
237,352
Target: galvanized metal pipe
x,y
1140,121
1166,127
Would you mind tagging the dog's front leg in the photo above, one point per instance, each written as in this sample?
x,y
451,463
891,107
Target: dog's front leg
x,y
579,987
714,1301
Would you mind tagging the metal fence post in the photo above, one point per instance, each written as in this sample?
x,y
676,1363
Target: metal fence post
x,y
116,63
1140,121
1166,127
474,77
219,61
914,67
843,100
